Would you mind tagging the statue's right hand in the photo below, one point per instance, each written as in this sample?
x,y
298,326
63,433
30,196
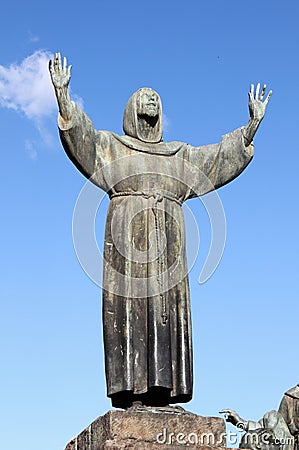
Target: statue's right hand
x,y
60,73
231,416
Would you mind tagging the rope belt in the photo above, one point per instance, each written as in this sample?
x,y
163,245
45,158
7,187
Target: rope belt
x,y
158,197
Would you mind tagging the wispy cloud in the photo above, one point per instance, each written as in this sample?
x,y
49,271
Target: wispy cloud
x,y
165,122
77,99
26,87
30,149
33,38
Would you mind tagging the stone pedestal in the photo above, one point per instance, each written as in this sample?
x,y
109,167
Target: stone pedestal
x,y
151,430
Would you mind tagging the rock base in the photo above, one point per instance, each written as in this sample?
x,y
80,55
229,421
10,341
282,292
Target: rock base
x,y
151,430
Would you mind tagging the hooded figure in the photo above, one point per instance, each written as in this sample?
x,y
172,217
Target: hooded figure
x,y
144,103
269,433
146,303
275,430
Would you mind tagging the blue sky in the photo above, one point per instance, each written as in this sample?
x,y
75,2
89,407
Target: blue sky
x,y
201,56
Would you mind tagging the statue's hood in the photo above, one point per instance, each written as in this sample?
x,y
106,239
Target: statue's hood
x,y
160,148
130,123
133,137
294,392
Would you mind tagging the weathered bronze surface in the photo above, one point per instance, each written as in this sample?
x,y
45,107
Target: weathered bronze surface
x,y
289,409
146,305
275,430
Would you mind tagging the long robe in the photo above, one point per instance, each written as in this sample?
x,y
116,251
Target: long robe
x,y
146,302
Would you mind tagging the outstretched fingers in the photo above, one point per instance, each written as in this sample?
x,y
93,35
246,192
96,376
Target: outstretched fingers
x,y
64,68
227,412
251,92
268,98
257,92
261,98
59,65
263,92
69,70
57,62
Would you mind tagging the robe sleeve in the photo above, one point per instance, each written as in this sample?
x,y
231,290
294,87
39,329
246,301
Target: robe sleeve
x,y
287,410
78,138
218,164
275,422
270,420
255,425
284,409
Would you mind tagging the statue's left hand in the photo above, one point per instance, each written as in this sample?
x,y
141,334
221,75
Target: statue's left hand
x,y
257,104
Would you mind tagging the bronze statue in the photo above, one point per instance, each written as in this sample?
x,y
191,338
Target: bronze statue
x,y
276,428
146,305
289,409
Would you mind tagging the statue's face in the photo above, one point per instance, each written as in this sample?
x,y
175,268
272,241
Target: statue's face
x,y
148,103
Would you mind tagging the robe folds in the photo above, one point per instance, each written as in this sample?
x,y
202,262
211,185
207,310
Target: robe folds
x,y
289,409
284,423
146,302
273,422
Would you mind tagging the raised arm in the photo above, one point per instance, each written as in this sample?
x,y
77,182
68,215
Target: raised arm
x,y
77,133
60,76
223,162
257,110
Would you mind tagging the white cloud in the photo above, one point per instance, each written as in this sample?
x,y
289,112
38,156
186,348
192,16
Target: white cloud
x,y
32,38
26,87
30,149
165,123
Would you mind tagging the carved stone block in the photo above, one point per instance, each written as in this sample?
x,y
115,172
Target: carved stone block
x,y
151,430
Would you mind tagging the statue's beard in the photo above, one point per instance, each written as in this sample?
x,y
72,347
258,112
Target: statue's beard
x,y
151,118
151,111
